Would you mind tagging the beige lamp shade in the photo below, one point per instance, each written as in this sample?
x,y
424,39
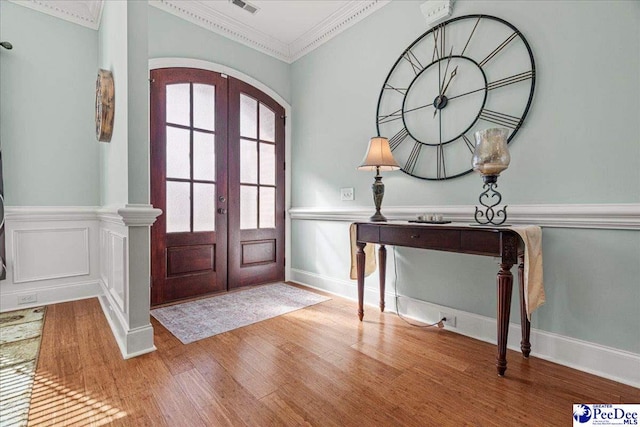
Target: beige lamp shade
x,y
379,156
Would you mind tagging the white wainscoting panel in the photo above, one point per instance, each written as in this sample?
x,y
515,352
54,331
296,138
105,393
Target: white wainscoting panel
x,y
41,254
119,270
52,256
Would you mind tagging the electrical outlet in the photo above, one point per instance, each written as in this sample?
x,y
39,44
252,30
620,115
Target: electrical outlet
x,y
451,319
27,299
347,194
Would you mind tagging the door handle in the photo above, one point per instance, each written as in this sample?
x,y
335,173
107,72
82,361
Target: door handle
x,y
222,199
222,211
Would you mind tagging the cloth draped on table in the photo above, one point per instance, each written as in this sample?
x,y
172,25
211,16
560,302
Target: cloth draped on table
x,y
3,270
534,295
531,235
369,251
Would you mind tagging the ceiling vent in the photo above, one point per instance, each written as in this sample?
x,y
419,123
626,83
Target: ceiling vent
x,y
244,5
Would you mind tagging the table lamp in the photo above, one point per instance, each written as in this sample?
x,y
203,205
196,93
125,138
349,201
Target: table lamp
x,y
378,158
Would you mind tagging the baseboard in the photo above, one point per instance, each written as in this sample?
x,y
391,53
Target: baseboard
x,y
50,295
607,362
132,342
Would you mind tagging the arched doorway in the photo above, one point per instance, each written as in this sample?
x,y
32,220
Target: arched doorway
x,y
217,172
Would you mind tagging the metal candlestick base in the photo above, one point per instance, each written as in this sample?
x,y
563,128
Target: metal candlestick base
x,y
490,216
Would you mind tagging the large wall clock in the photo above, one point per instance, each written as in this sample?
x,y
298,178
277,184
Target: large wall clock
x,y
465,74
105,104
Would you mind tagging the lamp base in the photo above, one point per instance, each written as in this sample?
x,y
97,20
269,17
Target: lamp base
x,y
378,193
378,217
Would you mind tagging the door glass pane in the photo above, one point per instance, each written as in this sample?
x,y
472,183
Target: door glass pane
x,y
178,153
248,161
267,164
248,117
267,124
204,209
204,156
204,106
267,207
178,207
178,104
248,207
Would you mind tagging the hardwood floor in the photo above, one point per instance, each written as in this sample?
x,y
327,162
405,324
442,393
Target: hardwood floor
x,y
317,366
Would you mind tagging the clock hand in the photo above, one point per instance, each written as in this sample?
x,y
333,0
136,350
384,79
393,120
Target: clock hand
x,y
444,89
453,74
466,93
445,71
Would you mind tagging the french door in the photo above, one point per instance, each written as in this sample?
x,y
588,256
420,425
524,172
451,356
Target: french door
x,y
217,172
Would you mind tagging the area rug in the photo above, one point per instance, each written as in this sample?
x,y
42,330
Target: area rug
x,y
20,336
195,320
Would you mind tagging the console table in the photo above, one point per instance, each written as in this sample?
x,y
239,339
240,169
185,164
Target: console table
x,y
489,241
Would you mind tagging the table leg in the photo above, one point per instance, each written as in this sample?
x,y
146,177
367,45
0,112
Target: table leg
x,y
505,286
382,268
525,325
360,262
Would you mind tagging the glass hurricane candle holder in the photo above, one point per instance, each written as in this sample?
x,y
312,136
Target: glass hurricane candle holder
x,y
491,157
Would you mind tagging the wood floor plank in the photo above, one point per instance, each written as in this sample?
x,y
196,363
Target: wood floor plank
x,y
318,366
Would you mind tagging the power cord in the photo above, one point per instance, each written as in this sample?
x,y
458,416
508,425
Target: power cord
x,y
439,323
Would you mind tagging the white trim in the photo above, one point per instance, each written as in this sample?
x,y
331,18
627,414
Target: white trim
x,y
345,18
19,276
131,342
50,295
622,216
155,63
139,215
51,213
617,365
171,62
87,13
197,13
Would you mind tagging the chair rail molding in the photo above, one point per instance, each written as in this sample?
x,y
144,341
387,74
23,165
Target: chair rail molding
x,y
621,216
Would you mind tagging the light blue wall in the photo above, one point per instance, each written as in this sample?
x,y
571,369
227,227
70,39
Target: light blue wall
x,y
579,145
170,36
47,95
138,99
112,44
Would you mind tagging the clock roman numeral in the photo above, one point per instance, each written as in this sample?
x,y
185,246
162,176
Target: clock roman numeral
x,y
498,49
413,158
471,35
396,115
415,63
401,91
500,118
469,144
441,170
438,42
397,139
516,78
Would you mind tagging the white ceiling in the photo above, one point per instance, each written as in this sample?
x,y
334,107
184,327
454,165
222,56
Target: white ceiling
x,y
285,29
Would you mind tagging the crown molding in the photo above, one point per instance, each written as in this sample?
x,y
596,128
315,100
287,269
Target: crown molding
x,y
197,13
82,12
346,17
